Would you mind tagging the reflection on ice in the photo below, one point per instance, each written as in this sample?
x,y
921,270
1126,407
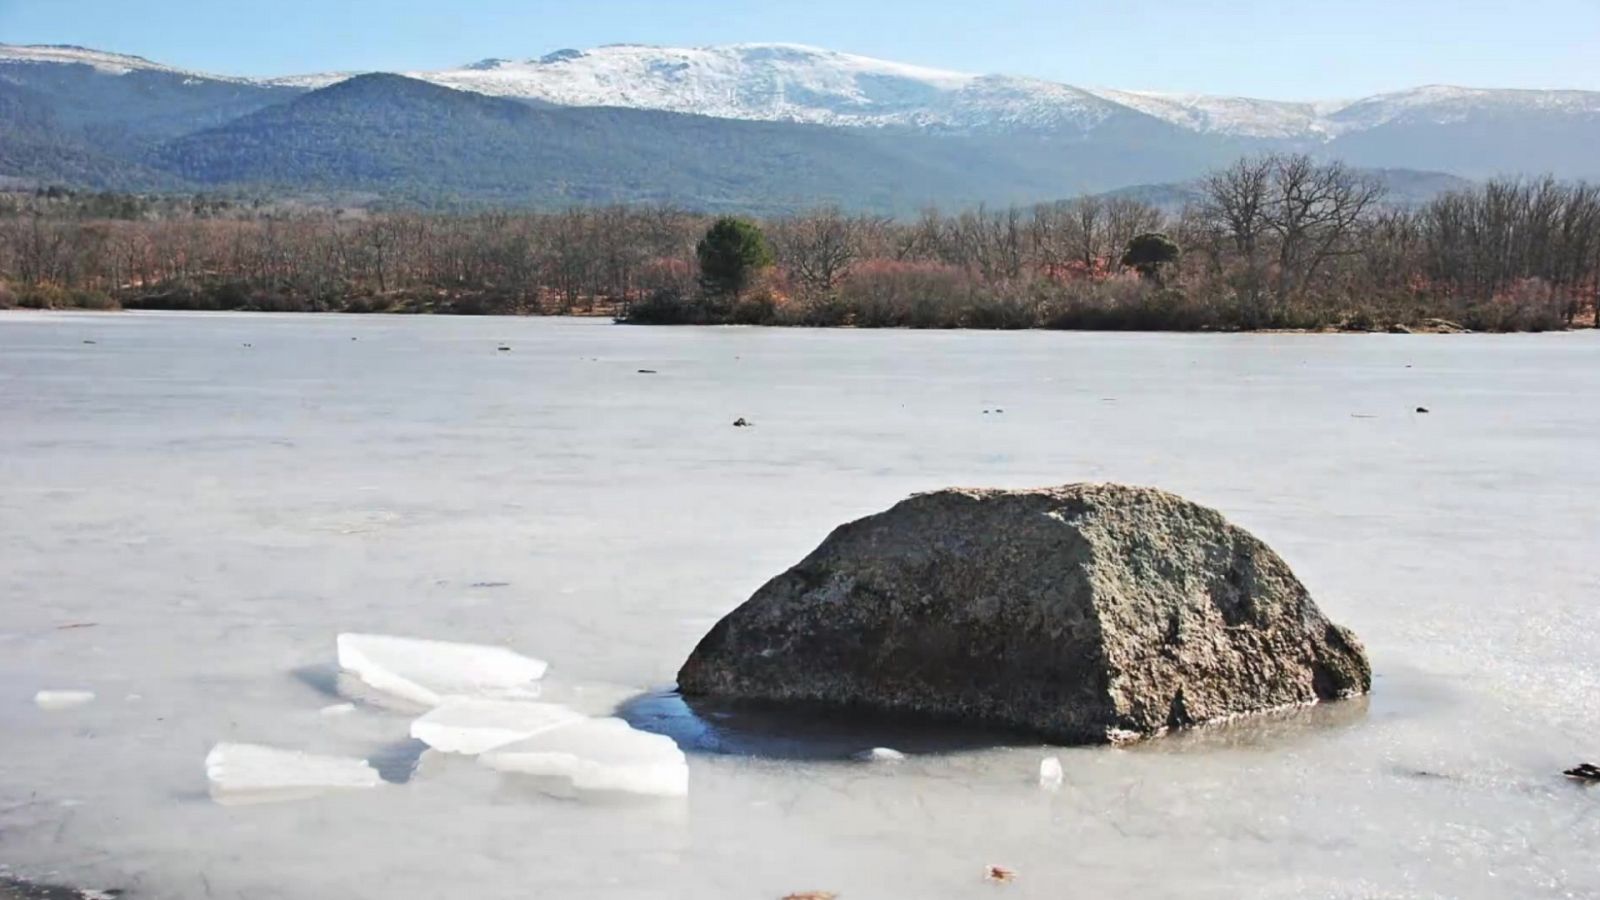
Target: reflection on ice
x,y
702,726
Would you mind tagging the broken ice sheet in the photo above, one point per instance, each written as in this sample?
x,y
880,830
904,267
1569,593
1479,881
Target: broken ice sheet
x,y
470,726
1051,774
600,755
427,671
252,773
54,700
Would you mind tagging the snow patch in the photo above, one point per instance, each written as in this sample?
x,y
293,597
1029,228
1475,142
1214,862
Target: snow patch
x,y
428,672
99,60
477,726
606,755
251,773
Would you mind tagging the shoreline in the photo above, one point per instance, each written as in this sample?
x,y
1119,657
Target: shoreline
x,y
1442,327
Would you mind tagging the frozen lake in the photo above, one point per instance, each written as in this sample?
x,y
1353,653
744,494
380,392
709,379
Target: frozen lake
x,y
214,497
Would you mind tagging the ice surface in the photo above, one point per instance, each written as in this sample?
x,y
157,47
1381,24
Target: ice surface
x,y
168,487
1050,773
428,671
337,709
54,700
474,726
251,773
600,755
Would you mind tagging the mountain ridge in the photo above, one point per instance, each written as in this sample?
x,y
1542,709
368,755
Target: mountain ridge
x,y
801,83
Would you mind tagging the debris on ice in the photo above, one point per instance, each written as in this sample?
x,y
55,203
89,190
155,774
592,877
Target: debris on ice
x,y
427,672
470,726
600,755
251,773
1000,874
54,700
1050,773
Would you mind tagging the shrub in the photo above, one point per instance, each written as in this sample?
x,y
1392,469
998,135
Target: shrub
x,y
663,307
1528,305
885,293
760,309
41,296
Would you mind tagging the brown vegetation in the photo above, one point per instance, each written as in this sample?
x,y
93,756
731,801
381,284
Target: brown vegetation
x,y
1273,242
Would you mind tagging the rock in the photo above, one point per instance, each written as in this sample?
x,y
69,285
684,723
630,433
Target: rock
x,y
1423,410
1584,772
1397,328
1083,614
741,422
1444,326
17,889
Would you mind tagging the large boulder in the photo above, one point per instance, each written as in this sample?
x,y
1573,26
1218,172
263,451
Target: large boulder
x,y
1083,614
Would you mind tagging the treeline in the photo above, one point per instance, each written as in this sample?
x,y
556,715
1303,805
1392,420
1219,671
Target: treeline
x,y
1270,242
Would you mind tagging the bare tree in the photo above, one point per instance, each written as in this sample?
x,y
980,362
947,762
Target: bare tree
x,y
817,248
1314,210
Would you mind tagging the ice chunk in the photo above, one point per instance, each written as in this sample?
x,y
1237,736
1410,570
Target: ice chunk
x,y
470,726
428,672
882,754
337,709
53,700
251,773
1050,774
600,755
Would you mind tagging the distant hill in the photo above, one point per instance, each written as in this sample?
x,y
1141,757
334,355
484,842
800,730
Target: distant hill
x,y
34,149
435,146
1403,187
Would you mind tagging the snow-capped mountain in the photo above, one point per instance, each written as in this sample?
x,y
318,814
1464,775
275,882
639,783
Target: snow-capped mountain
x,y
785,125
781,82
98,60
796,83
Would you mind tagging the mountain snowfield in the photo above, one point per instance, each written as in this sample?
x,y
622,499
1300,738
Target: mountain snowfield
x,y
794,83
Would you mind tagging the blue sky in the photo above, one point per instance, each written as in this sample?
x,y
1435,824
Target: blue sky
x,y
1283,49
